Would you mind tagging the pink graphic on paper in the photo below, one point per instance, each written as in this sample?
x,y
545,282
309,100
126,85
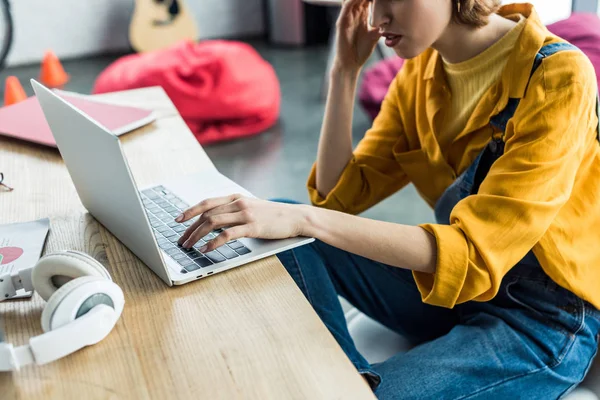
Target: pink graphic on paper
x,y
10,254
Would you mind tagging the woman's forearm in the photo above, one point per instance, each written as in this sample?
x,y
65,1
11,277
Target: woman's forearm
x,y
335,143
402,246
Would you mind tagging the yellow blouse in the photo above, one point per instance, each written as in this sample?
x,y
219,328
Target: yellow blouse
x,y
543,193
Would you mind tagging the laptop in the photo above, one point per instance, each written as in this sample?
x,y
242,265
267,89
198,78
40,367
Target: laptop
x,y
144,219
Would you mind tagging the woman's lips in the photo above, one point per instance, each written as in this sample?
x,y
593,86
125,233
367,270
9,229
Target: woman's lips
x,y
392,40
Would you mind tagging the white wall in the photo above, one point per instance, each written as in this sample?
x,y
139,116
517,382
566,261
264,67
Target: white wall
x,y
80,27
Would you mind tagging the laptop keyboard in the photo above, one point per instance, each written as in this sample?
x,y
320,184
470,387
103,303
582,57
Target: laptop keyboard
x,y
162,208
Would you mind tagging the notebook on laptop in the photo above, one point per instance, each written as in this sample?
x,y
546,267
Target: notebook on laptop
x,y
25,120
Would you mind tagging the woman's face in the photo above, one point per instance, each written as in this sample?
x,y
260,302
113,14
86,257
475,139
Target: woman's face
x,y
411,26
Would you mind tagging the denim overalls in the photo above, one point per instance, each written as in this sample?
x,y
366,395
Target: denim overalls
x,y
469,181
534,340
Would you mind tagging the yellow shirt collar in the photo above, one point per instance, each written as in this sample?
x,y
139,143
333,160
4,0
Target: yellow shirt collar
x,y
516,74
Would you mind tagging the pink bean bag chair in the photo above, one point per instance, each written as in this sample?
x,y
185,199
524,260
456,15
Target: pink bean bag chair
x,y
580,29
223,90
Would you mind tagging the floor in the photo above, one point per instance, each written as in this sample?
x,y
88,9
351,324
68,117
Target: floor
x,y
277,162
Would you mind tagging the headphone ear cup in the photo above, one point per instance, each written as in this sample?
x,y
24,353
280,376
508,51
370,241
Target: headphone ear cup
x,y
64,265
77,297
56,298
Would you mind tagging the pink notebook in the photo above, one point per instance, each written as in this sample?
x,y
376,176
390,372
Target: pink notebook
x,y
26,121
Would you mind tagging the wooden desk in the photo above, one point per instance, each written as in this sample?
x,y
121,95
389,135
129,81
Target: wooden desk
x,y
245,333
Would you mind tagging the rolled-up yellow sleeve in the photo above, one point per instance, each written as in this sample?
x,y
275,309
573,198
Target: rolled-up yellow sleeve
x,y
492,231
373,173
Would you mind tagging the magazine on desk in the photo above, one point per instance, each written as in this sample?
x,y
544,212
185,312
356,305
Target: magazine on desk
x,y
21,246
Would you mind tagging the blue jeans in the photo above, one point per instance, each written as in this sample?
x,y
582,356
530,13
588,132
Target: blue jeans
x,y
534,340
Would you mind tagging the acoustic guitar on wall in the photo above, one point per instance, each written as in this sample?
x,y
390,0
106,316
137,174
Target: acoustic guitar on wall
x,y
157,24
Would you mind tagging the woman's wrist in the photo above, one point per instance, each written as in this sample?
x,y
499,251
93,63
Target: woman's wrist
x,y
343,71
306,218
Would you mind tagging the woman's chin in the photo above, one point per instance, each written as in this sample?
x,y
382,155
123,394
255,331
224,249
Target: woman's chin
x,y
406,52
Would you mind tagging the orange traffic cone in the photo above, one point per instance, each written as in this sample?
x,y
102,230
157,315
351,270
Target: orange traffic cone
x,y
13,91
52,73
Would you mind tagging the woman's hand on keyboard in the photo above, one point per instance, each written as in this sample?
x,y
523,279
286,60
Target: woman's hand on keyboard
x,y
242,217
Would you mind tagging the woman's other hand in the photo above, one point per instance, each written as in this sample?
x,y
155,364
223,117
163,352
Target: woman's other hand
x,y
356,39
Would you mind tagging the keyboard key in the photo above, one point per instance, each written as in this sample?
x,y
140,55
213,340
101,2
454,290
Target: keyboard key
x,y
161,214
165,246
170,234
163,229
153,209
194,254
150,193
203,262
243,250
234,244
180,229
192,267
189,223
215,256
174,239
158,188
180,204
185,262
156,223
170,196
167,219
174,214
227,252
199,244
208,237
172,251
178,256
183,271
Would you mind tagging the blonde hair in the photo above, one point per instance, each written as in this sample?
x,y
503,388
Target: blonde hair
x,y
474,12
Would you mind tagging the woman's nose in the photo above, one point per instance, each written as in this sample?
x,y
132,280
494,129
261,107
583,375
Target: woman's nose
x,y
378,16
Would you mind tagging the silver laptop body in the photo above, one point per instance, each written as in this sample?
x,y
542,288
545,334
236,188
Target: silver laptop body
x,y
143,220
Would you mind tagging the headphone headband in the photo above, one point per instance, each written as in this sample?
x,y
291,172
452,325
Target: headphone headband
x,y
84,331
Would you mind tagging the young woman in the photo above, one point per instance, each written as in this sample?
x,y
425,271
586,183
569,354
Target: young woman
x,y
493,119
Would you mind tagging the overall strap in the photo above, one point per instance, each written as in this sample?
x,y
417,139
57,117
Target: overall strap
x,y
500,120
495,147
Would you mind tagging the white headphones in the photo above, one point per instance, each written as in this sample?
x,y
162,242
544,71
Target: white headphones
x,y
83,305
